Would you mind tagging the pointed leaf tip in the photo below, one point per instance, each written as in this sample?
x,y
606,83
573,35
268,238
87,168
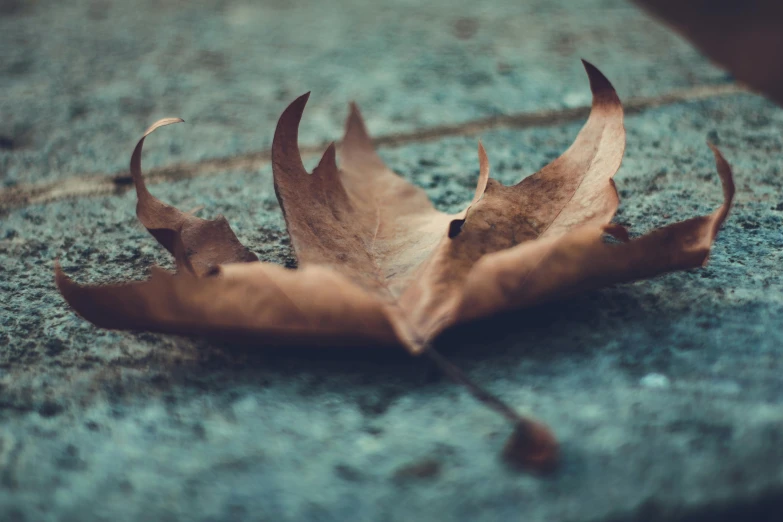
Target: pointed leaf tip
x,y
293,113
727,183
455,226
302,99
599,84
724,169
719,159
715,150
61,280
483,159
355,128
58,270
135,162
357,150
285,144
160,123
481,185
328,160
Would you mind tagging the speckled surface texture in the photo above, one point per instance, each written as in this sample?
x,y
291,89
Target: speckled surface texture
x,y
666,394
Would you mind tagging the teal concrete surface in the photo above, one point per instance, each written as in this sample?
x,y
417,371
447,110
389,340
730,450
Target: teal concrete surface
x,y
666,394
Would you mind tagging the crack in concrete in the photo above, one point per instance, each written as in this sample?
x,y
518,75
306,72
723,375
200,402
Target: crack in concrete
x,y
97,184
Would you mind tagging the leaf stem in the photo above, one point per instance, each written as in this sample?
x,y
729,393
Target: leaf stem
x,y
531,446
479,393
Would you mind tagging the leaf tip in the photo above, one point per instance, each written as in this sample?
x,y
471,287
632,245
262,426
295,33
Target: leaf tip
x,y
727,183
484,168
532,446
716,152
143,195
357,142
483,158
724,169
599,84
285,143
64,283
355,128
58,271
158,124
328,162
295,109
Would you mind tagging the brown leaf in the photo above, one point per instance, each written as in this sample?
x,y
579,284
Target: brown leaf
x,y
377,261
379,265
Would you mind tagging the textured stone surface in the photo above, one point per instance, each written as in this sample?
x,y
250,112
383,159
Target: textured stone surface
x,y
80,79
666,394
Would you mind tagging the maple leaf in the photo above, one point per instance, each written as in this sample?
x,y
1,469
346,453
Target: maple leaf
x,y
378,264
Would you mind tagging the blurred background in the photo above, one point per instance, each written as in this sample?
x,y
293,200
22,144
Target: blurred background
x,y
79,79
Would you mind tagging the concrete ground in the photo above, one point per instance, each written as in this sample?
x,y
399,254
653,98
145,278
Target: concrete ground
x,y
666,394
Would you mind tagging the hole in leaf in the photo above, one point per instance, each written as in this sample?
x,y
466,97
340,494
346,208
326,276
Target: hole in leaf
x,y
455,227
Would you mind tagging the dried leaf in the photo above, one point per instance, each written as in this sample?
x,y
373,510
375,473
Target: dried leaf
x,y
378,264
206,243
